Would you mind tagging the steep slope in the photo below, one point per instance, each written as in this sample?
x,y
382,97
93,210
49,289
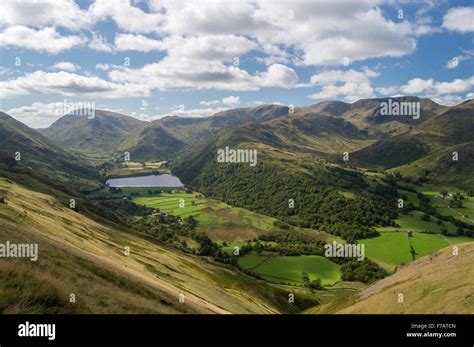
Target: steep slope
x,y
436,284
312,132
365,114
81,256
453,126
428,148
101,134
169,136
38,153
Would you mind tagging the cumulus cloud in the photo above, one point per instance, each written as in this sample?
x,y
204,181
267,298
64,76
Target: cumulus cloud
x,y
362,32
64,13
231,100
38,114
173,73
460,19
417,85
350,92
140,43
66,66
45,40
448,100
278,75
446,93
128,18
429,86
69,84
351,85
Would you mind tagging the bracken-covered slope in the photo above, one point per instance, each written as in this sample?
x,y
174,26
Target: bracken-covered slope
x,y
81,256
438,284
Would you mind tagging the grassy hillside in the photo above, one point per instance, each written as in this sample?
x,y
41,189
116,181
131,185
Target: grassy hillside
x,y
99,135
39,156
437,284
427,149
78,255
167,137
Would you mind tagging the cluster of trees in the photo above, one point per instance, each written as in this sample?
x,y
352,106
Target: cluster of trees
x,y
364,271
318,203
314,284
127,208
291,243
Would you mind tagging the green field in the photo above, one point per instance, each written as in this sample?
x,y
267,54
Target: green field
x,y
181,204
281,269
217,219
411,197
394,247
413,222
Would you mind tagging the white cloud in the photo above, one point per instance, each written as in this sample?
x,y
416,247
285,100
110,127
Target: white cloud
x,y
430,87
66,66
441,92
38,115
209,103
278,75
128,18
390,90
333,76
106,67
99,43
350,92
197,112
460,19
231,100
65,13
448,100
455,86
102,66
417,85
130,42
361,32
143,116
46,40
69,84
175,72
454,62
351,85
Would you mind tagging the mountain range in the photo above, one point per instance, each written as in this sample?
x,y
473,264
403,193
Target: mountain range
x,y
321,156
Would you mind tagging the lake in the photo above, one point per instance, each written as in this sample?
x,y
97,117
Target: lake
x,y
164,180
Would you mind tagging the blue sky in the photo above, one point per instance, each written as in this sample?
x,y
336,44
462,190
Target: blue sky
x,y
150,59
